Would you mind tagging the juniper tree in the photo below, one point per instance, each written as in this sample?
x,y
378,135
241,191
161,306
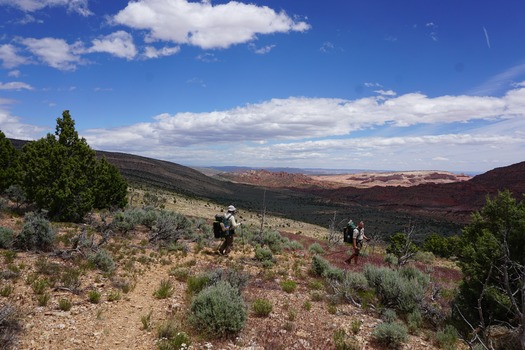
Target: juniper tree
x,y
61,174
9,171
492,259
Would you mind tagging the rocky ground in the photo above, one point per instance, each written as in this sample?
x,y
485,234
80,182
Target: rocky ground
x,y
298,319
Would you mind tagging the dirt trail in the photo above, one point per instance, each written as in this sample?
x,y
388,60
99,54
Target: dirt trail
x,y
107,325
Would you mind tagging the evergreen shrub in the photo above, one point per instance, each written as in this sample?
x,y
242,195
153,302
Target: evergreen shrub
x,y
37,233
262,307
103,260
392,335
7,238
218,310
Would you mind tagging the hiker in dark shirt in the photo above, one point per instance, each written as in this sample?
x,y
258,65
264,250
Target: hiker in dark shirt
x,y
358,237
230,222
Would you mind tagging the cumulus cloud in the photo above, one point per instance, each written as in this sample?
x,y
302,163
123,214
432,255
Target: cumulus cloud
x,y
10,57
12,126
299,130
203,24
78,6
57,53
119,44
322,132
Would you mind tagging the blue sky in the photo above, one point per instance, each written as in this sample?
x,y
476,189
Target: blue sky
x,y
376,84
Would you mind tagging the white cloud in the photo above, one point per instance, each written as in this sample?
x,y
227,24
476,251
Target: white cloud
x,y
207,57
15,85
327,47
385,92
14,73
10,57
78,6
261,50
299,131
203,24
152,52
12,127
500,81
297,117
119,44
57,53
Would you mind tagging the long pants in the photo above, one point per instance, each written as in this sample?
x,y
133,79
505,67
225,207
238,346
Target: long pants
x,y
226,246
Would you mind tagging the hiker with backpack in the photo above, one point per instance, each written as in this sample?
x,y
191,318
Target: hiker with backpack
x,y
231,224
357,239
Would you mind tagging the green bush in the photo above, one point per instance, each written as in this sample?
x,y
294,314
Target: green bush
x,y
315,248
319,265
195,284
7,238
64,304
315,285
6,290
414,321
289,286
342,341
103,260
262,307
70,278
165,290
274,241
43,299
94,296
388,315
37,233
218,310
391,259
146,320
334,273
424,257
263,254
181,274
295,245
395,289
413,273
355,281
444,247
392,335
39,286
125,221
446,338
237,279
10,326
114,295
169,227
400,244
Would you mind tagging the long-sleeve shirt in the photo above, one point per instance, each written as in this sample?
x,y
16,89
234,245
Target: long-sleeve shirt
x,y
232,223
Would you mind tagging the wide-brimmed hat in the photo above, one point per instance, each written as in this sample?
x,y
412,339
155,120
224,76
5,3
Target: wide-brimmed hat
x,y
231,208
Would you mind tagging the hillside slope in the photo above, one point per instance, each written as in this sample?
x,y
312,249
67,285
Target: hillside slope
x,y
442,208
